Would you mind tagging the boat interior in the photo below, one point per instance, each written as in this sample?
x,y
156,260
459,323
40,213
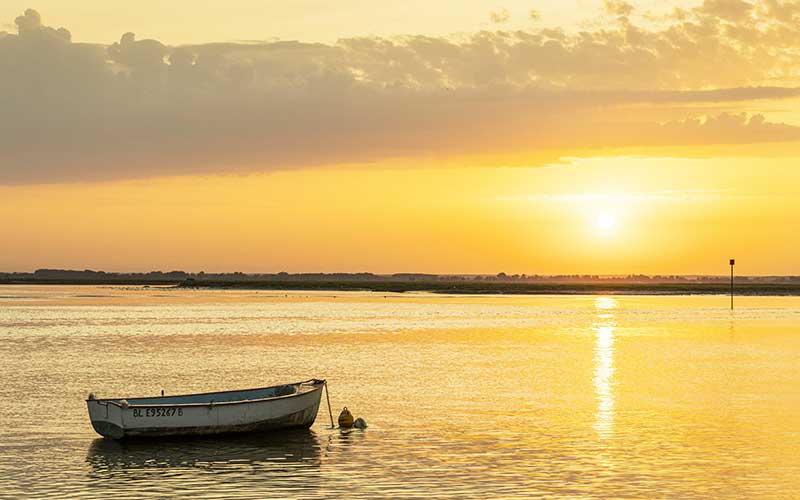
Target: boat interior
x,y
222,397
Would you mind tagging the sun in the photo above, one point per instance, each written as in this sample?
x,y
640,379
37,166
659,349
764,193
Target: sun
x,y
605,222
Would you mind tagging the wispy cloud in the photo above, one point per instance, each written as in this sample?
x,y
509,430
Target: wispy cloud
x,y
499,16
625,197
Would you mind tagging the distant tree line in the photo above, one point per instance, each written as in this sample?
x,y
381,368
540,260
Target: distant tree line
x,y
169,277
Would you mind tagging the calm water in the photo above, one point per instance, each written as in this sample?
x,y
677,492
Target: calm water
x,y
494,397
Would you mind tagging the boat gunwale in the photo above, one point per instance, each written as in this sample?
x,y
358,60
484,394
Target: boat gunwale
x,y
317,383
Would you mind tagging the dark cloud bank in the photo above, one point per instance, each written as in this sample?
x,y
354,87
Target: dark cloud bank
x,y
137,108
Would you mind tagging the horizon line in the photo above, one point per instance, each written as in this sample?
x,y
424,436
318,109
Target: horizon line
x,y
500,275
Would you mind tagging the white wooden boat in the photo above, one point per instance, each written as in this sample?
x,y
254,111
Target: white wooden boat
x,y
251,410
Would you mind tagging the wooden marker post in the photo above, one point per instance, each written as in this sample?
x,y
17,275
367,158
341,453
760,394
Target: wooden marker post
x,y
733,262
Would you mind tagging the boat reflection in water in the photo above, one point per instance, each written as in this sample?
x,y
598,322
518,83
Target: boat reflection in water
x,y
286,462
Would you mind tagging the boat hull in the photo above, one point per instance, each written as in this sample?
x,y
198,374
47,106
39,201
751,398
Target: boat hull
x,y
117,421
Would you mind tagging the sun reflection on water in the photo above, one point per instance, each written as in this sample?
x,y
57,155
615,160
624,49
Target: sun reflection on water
x,y
604,366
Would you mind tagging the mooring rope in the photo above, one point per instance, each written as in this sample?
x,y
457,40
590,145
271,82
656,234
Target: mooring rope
x,y
328,397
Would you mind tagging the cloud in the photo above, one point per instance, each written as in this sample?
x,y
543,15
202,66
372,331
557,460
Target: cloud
x,y
785,12
728,10
138,108
618,7
728,128
500,16
138,56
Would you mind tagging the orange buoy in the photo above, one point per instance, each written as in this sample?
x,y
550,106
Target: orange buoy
x,y
346,419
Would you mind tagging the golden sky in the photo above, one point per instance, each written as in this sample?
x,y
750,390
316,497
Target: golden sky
x,y
188,21
592,137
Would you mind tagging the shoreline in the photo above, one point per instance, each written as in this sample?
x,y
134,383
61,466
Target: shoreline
x,y
471,288
452,288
